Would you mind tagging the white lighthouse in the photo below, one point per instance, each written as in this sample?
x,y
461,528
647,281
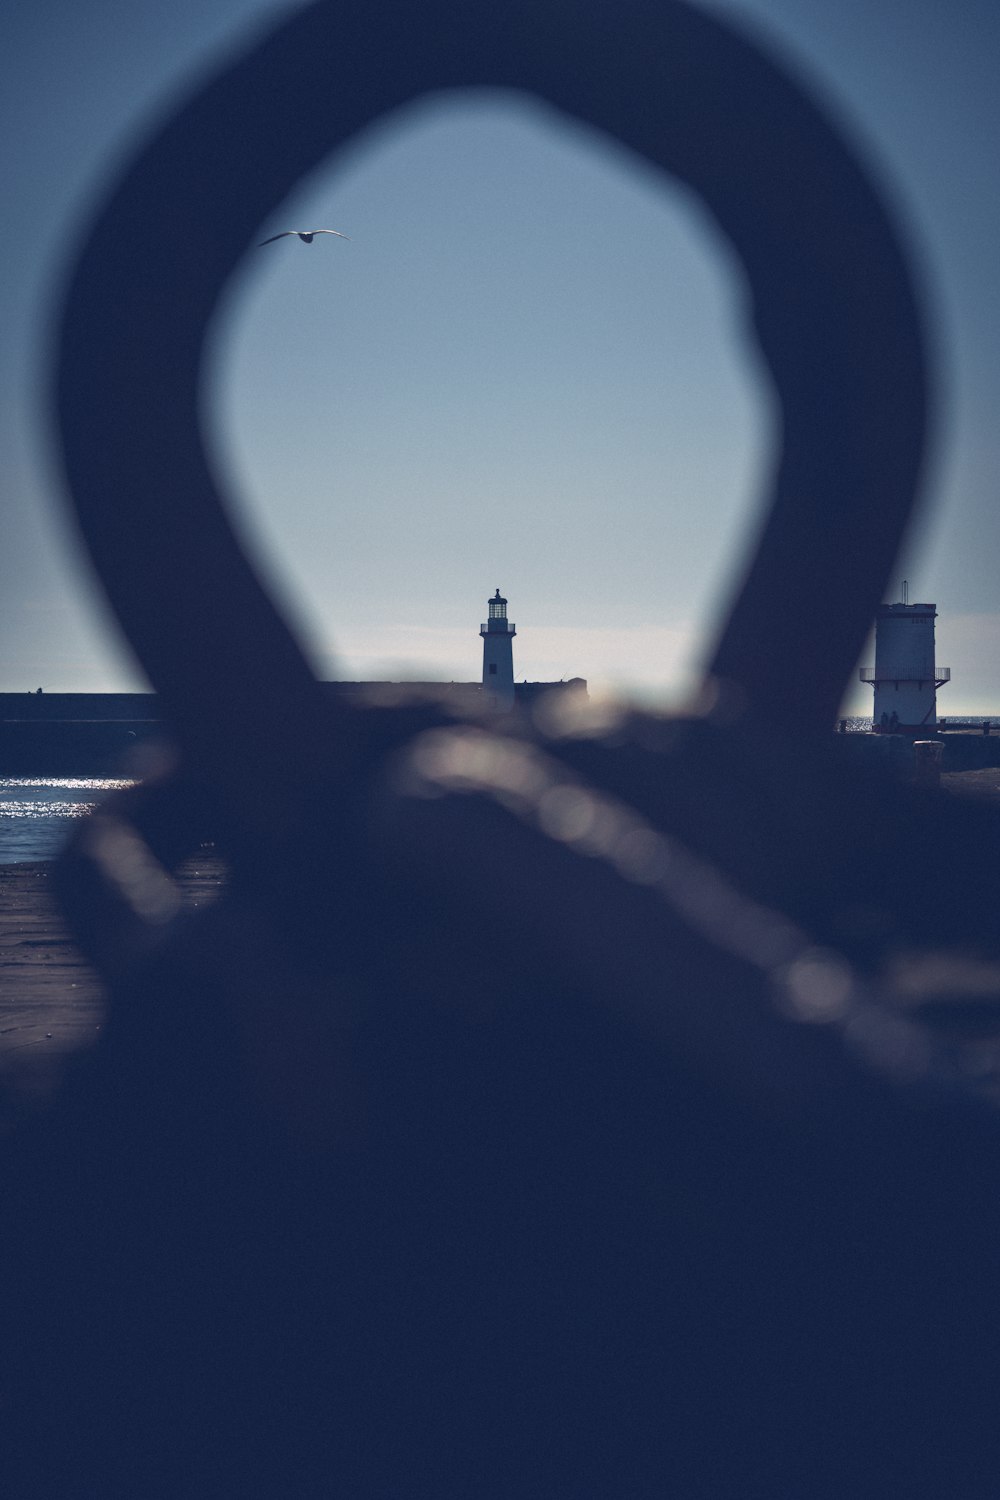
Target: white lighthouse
x,y
498,654
905,676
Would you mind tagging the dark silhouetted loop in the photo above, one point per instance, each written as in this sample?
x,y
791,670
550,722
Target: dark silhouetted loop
x,y
831,298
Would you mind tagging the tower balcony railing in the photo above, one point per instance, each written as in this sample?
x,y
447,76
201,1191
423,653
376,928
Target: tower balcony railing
x,y
939,676
497,627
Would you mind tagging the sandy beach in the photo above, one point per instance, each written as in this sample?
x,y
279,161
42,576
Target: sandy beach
x,y
51,1001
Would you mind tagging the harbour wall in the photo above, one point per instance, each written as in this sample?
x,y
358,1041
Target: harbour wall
x,y
55,735
101,734
960,750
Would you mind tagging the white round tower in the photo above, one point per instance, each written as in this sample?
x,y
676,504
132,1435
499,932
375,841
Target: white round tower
x,y
905,676
498,654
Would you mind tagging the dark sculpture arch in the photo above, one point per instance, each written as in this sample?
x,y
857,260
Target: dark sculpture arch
x,y
832,302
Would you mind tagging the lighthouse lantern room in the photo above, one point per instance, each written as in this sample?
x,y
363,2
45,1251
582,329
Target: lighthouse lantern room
x,y
498,654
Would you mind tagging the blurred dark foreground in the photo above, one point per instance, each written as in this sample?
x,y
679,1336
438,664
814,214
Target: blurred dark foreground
x,y
361,1194
595,1110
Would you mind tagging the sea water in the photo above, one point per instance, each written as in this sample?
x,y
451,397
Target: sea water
x,y
36,815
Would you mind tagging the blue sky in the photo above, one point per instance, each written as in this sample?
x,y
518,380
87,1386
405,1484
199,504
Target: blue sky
x,y
527,369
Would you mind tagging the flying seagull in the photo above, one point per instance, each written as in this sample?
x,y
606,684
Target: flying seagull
x,y
304,234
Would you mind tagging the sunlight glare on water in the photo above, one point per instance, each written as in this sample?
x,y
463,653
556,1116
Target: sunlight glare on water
x,y
36,814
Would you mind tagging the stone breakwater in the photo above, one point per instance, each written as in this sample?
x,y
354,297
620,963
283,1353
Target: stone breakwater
x,y
961,750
